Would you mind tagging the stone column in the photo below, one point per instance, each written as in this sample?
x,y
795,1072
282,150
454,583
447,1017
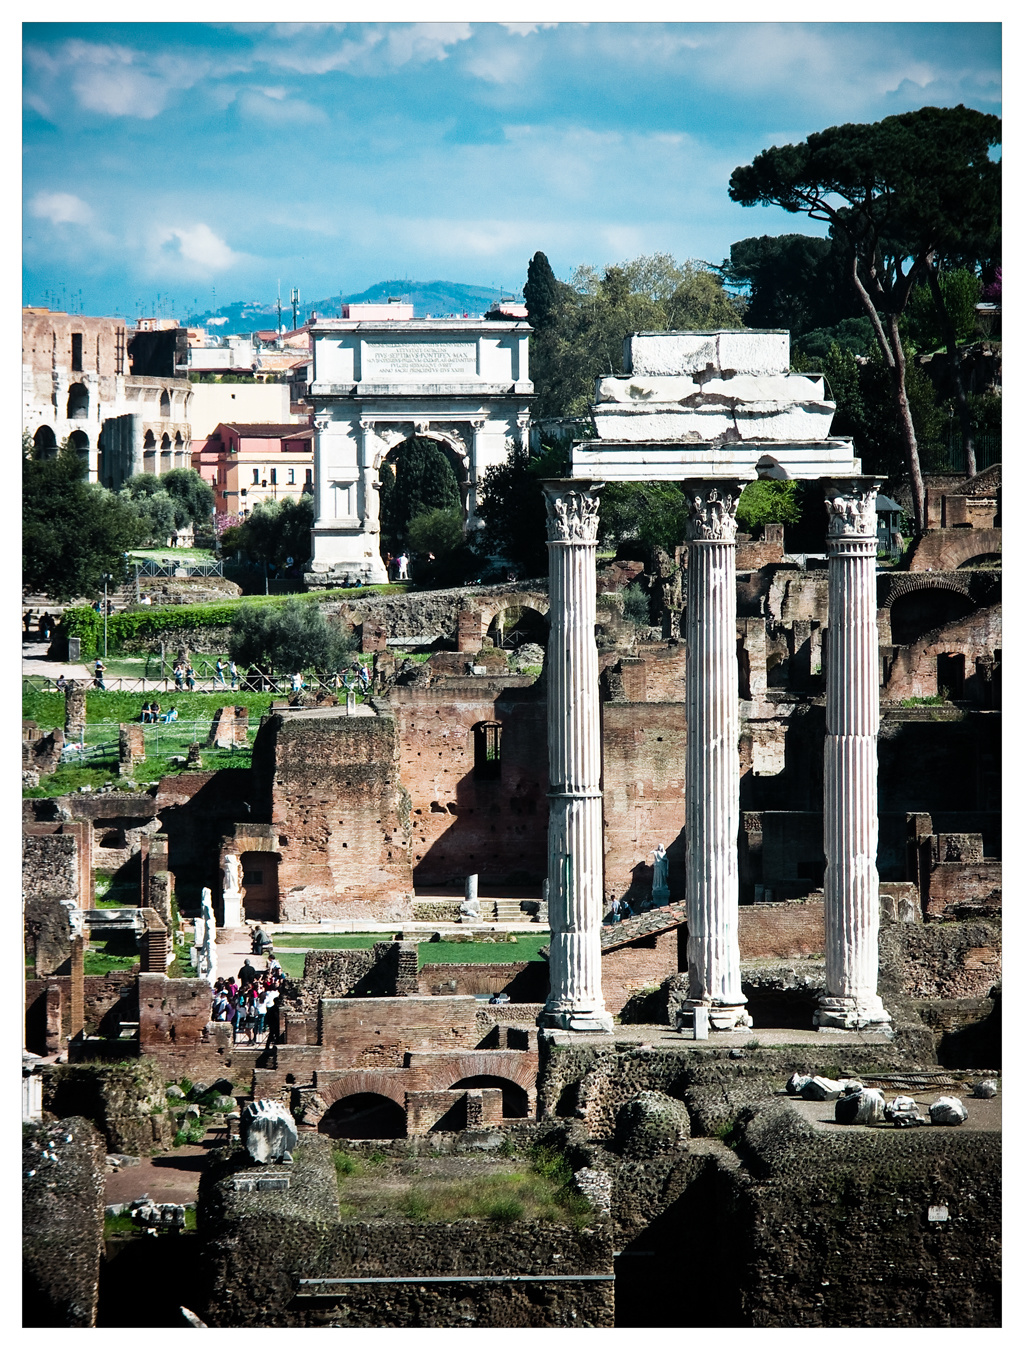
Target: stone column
x,y
473,521
851,761
575,826
368,475
712,756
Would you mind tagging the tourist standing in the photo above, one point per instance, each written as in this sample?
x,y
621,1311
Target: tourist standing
x,y
218,673
233,672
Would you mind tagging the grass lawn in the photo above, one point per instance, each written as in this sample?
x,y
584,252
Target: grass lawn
x,y
525,948
536,1187
329,941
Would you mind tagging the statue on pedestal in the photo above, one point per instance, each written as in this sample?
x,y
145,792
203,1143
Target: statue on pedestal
x,y
659,892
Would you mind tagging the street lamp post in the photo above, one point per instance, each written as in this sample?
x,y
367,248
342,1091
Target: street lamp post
x,y
106,578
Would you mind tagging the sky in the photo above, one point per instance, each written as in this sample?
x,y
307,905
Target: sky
x,y
206,163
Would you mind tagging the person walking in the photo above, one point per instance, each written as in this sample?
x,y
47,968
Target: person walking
x,y
233,672
218,673
179,676
190,677
403,567
98,670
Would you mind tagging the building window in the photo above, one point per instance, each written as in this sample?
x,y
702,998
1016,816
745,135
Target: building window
x,y
255,477
76,351
309,478
487,750
291,475
273,477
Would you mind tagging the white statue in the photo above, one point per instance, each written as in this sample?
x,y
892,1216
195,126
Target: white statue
x,y
659,892
206,937
232,875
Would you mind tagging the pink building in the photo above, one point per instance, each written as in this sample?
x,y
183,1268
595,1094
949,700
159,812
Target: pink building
x,y
249,462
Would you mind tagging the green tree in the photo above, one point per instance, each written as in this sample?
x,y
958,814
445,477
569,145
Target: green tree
x,y
73,533
296,636
960,289
542,292
437,531
793,281
511,502
191,492
768,501
419,478
865,411
273,532
581,335
650,514
902,194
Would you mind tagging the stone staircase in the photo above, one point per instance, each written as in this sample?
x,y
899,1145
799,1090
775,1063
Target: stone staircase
x,y
511,911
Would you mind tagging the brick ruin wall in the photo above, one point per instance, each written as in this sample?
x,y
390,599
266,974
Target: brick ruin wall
x,y
462,821
341,815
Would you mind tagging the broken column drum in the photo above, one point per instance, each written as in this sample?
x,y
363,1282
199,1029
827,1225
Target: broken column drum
x,y
575,829
851,762
712,756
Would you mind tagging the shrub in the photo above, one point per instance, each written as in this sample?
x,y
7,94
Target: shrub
x,y
295,637
506,1210
636,605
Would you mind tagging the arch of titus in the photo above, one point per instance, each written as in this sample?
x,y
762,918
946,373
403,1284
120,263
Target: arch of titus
x,y
465,383
712,411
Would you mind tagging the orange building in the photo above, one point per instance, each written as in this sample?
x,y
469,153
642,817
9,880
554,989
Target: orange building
x,y
250,462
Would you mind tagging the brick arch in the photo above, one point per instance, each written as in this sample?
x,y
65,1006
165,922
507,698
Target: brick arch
x,y
924,582
950,549
512,1065
355,1081
537,600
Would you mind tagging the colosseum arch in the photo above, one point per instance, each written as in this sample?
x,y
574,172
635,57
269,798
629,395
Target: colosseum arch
x,y
78,402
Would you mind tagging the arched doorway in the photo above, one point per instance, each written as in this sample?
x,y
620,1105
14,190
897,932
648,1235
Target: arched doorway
x,y
421,473
364,1115
78,402
918,612
514,1101
45,443
514,626
80,442
165,403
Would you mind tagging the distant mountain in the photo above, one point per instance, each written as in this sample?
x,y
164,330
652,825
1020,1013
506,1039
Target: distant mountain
x,y
436,298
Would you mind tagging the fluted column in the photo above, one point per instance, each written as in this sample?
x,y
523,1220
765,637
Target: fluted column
x,y
712,756
851,761
575,827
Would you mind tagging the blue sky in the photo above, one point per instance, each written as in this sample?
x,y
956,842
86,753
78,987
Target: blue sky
x,y
202,160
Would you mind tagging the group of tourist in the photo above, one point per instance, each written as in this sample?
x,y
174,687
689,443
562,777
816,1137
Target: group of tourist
x,y
151,713
250,1002
184,675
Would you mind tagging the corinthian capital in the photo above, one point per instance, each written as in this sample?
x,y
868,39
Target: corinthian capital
x,y
850,504
712,511
572,512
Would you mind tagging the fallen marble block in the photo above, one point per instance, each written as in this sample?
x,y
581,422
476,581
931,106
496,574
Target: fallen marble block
x,y
866,1107
268,1131
903,1113
820,1090
947,1111
797,1083
988,1087
851,1085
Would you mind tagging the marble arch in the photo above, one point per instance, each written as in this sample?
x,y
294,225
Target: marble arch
x,y
463,382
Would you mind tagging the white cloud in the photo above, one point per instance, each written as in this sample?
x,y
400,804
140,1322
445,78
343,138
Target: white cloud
x,y
60,208
317,49
109,78
195,250
525,29
274,106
